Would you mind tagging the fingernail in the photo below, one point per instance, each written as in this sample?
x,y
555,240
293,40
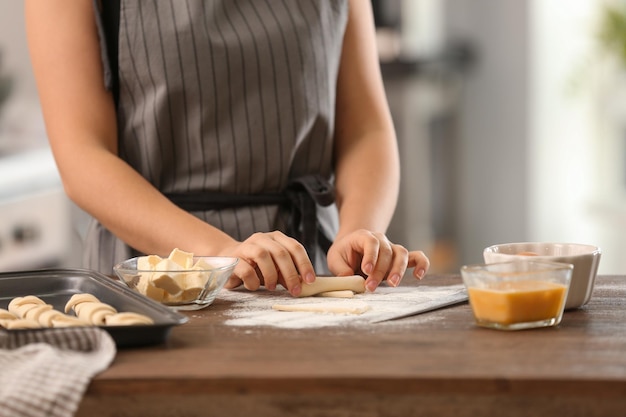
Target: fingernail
x,y
394,280
309,278
420,273
371,286
296,290
368,268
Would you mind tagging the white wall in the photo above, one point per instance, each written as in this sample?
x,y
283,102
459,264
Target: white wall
x,y
493,150
15,59
579,125
540,160
563,140
23,136
21,122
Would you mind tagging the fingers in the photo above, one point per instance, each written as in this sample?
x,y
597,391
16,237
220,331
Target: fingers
x,y
270,258
400,261
389,263
233,281
399,265
273,258
419,262
376,257
380,258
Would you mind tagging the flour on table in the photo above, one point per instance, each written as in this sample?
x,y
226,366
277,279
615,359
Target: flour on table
x,y
254,308
326,307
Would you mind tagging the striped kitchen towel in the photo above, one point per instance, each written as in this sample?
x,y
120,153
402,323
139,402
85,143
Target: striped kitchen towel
x,y
46,372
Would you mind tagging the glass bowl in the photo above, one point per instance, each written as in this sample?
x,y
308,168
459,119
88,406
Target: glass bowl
x,y
189,287
517,295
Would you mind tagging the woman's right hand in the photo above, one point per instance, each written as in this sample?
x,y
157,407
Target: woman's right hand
x,y
269,259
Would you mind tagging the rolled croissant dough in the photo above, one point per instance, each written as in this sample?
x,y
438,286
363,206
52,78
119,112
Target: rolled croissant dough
x,y
354,283
342,287
324,307
336,294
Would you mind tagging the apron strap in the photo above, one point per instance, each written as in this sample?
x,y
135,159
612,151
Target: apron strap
x,y
108,20
299,199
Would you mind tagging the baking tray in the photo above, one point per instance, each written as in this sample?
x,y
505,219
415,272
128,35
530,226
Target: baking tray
x,y
56,286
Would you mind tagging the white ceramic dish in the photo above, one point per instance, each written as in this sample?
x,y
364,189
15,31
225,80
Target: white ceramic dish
x,y
584,258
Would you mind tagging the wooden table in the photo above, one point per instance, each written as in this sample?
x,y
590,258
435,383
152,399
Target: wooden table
x,y
435,364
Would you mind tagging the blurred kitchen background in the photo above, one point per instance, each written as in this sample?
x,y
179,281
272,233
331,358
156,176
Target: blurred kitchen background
x,y
511,121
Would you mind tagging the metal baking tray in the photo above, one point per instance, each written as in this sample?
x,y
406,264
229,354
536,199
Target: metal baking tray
x,y
56,286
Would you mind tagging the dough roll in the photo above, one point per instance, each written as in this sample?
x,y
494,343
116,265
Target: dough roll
x,y
353,283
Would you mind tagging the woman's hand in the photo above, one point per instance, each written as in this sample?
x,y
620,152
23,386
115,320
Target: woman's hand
x,y
269,259
373,255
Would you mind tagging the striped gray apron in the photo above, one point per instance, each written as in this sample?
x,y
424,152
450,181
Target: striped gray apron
x,y
224,97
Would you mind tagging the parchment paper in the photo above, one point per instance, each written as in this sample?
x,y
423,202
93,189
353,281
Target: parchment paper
x,y
254,308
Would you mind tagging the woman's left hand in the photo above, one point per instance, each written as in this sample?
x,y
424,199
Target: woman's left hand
x,y
373,255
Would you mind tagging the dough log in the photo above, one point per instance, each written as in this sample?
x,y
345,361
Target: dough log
x,y
354,283
336,294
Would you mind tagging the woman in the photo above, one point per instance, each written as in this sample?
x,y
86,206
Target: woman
x,y
213,126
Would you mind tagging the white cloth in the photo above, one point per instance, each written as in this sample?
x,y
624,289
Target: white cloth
x,y
46,372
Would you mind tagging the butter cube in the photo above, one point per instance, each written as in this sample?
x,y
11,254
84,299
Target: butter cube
x,y
166,277
186,296
145,287
194,284
196,280
168,265
148,263
182,258
202,265
166,282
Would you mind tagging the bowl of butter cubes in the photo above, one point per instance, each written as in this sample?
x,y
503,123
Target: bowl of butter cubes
x,y
181,281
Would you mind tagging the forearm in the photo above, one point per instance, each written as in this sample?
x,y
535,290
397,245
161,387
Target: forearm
x,y
81,125
366,162
132,209
367,193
